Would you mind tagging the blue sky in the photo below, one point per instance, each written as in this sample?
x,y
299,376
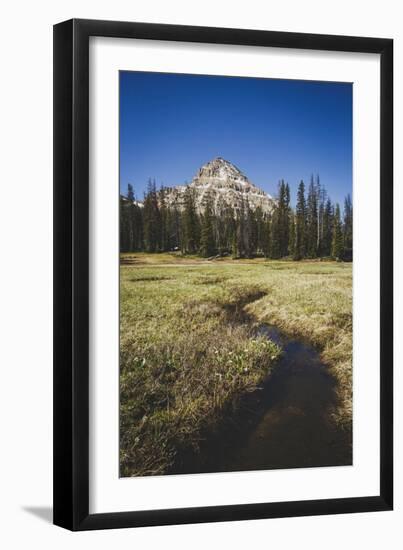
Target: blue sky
x,y
172,124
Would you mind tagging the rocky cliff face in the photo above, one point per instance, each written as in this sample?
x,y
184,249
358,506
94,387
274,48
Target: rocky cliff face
x,y
224,185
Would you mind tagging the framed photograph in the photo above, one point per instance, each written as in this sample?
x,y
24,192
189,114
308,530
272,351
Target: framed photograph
x,y
223,248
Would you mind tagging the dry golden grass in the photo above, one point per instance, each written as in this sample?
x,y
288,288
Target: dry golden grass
x,y
314,302
189,347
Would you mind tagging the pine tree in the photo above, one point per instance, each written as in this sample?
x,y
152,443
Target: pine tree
x,y
276,233
314,229
321,199
175,228
249,231
286,221
123,225
131,222
280,222
348,229
242,236
190,225
261,234
291,241
234,243
137,224
337,238
219,226
131,213
312,221
229,229
130,192
326,248
207,244
152,219
241,230
267,246
163,238
300,224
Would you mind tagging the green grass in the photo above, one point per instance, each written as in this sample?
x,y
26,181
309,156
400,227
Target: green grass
x,y
189,348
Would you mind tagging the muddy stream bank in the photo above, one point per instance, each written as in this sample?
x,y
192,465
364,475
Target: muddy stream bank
x,y
285,423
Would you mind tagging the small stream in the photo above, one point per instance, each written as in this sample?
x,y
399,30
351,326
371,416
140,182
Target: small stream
x,y
284,424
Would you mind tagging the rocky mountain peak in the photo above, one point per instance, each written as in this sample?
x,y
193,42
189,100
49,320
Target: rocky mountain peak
x,y
220,169
224,185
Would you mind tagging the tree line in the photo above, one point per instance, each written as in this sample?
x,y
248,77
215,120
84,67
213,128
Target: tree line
x,y
315,228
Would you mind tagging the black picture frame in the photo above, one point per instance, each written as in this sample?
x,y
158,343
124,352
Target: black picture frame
x,y
71,274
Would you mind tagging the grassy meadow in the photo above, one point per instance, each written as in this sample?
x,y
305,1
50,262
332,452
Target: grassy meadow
x,y
189,346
